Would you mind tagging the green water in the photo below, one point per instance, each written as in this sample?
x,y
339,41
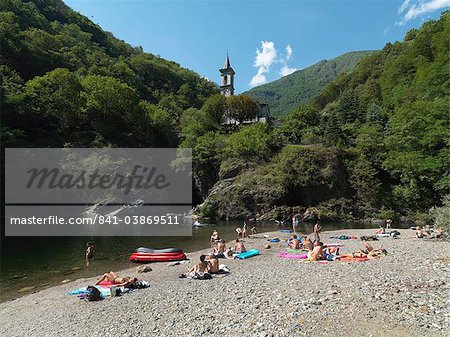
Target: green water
x,y
46,261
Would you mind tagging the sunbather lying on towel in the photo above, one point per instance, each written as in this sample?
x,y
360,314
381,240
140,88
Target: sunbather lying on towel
x,y
118,281
369,252
421,233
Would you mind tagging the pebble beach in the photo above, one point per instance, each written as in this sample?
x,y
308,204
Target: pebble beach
x,y
405,293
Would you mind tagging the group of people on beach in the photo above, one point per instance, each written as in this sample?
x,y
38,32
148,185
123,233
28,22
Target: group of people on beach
x,y
429,233
209,263
318,251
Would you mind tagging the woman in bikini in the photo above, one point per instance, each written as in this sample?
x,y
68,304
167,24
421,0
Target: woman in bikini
x,y
116,280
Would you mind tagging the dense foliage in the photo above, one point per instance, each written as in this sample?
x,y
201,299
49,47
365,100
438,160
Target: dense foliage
x,y
374,142
66,82
300,87
391,116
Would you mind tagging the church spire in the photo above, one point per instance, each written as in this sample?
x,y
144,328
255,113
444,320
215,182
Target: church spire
x,y
227,63
227,78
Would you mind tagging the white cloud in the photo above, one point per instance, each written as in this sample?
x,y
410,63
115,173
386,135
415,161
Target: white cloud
x,y
288,52
258,79
265,58
411,9
285,70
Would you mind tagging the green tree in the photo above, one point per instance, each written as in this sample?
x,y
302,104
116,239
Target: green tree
x,y
253,142
242,107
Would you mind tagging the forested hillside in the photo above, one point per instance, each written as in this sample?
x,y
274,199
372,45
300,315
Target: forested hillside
x,y
66,82
300,87
374,142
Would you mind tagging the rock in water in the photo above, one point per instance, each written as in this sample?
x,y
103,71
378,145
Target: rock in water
x,y
25,289
65,281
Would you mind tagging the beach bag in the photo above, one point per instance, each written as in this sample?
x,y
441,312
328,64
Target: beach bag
x,y
93,294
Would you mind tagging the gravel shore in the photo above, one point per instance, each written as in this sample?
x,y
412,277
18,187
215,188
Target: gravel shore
x,y
403,294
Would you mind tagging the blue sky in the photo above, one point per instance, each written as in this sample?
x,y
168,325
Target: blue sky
x,y
265,39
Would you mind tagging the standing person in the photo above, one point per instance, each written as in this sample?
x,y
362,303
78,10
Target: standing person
x,y
239,232
244,230
317,230
253,230
294,227
215,237
90,251
388,223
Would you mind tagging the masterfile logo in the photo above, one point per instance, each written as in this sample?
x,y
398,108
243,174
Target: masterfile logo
x,y
126,191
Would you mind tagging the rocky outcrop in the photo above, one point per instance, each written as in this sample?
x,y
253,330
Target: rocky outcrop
x,y
299,175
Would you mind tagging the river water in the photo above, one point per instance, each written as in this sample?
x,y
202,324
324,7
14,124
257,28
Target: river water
x,y
46,261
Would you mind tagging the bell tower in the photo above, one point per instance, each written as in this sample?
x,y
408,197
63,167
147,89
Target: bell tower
x,y
227,79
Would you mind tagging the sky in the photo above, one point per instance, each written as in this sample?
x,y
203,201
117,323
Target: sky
x,y
265,39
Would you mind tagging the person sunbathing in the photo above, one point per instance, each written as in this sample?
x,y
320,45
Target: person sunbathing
x,y
380,230
294,243
331,253
421,233
219,249
202,266
116,280
316,253
213,264
229,254
369,253
307,243
239,247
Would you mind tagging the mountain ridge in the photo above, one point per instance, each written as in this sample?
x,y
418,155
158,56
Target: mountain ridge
x,y
300,87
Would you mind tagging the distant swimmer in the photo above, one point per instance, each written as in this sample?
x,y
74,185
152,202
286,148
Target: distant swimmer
x,y
90,251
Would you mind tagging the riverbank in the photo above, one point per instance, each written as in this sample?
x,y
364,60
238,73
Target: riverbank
x,y
402,294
